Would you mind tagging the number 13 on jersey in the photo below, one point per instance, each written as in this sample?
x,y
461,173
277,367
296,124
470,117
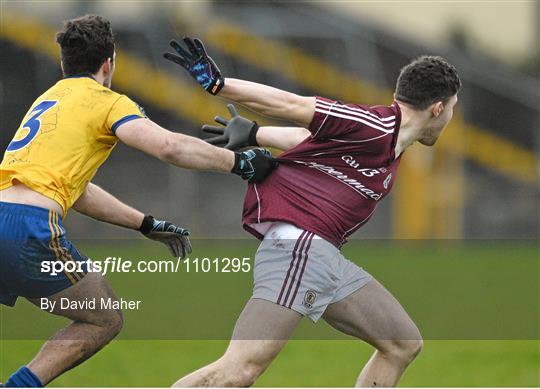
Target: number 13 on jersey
x,y
33,124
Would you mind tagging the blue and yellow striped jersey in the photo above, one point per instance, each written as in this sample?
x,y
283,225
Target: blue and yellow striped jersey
x,y
64,138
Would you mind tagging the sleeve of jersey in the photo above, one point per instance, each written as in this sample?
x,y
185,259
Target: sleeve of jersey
x,y
123,111
331,119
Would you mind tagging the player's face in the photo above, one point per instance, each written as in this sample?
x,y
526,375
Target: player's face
x,y
439,122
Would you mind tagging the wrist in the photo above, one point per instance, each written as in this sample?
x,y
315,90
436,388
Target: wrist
x,y
217,86
252,139
224,92
237,157
146,224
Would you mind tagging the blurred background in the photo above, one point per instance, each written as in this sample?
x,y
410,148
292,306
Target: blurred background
x,y
480,181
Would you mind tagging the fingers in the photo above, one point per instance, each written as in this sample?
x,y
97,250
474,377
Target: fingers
x,y
200,47
191,46
221,120
181,252
180,50
232,110
232,146
181,245
217,140
213,129
187,244
266,152
176,59
172,248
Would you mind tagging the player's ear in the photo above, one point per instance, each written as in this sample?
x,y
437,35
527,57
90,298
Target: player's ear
x,y
108,66
437,108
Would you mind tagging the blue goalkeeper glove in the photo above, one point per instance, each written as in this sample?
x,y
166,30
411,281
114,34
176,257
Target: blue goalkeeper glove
x,y
175,238
198,64
254,165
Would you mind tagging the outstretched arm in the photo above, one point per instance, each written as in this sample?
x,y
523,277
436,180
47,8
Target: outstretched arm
x,y
239,132
260,98
103,206
193,153
283,138
270,101
177,149
98,204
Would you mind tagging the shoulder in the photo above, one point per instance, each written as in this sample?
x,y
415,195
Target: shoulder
x,y
386,112
104,93
376,118
352,122
355,112
116,101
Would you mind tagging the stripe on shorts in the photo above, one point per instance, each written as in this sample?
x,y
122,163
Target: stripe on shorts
x,y
299,260
298,241
302,270
60,251
52,245
79,275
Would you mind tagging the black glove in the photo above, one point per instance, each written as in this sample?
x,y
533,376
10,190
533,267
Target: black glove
x,y
254,165
175,238
238,132
195,60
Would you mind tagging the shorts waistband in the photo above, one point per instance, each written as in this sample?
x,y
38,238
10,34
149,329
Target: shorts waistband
x,y
27,210
280,230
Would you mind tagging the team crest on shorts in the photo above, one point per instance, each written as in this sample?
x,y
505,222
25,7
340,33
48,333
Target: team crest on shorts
x,y
309,299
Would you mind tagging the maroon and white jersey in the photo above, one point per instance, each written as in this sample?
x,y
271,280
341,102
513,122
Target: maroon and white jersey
x,y
331,183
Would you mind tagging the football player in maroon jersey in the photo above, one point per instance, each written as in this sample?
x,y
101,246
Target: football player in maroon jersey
x,y
338,164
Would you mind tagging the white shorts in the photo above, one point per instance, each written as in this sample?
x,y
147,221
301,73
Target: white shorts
x,y
303,272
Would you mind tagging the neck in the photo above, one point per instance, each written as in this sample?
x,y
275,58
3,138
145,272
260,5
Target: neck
x,y
412,124
99,78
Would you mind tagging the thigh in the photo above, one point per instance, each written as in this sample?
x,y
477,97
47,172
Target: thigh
x,y
373,315
260,333
299,274
93,287
36,258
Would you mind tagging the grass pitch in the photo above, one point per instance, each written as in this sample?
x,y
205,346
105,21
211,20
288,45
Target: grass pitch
x,y
474,295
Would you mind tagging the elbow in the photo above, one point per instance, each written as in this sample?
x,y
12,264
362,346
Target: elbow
x,y
169,150
81,204
175,148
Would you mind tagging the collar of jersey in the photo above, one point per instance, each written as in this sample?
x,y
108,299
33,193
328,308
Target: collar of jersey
x,y
80,76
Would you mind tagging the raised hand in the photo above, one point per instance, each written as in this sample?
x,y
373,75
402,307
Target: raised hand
x,y
199,65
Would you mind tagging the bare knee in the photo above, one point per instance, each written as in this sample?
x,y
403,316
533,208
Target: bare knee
x,y
112,324
116,324
107,323
402,352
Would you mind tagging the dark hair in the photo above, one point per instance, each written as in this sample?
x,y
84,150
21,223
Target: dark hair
x,y
426,80
86,42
